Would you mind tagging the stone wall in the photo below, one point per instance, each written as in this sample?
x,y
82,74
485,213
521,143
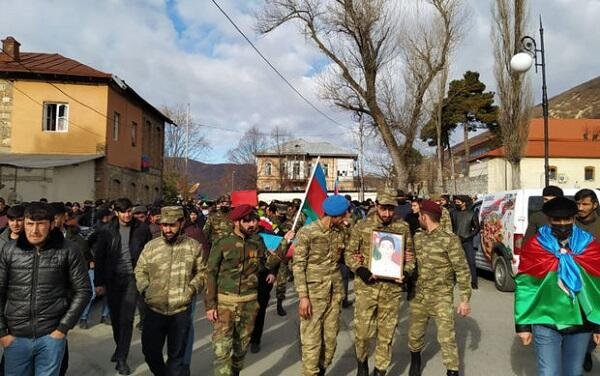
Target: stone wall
x,y
6,102
140,187
469,185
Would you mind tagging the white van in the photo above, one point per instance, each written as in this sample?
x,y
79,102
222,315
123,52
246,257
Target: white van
x,y
503,218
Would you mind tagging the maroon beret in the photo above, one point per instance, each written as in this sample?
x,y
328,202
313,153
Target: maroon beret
x,y
431,207
240,212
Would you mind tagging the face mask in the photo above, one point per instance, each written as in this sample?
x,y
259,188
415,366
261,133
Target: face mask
x,y
562,232
205,212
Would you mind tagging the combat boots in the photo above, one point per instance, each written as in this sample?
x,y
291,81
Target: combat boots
x,y
451,373
321,371
415,364
362,368
280,310
378,372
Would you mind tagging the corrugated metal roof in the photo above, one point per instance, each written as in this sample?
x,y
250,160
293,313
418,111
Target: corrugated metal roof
x,y
45,160
43,63
301,147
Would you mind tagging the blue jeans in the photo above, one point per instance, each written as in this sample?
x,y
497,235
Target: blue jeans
x,y
40,356
86,311
559,354
189,348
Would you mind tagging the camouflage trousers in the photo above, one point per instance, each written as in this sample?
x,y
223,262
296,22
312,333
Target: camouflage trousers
x,y
231,335
282,277
441,309
376,315
318,334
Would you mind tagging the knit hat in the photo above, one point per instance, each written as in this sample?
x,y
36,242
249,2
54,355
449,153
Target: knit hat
x,y
335,205
552,191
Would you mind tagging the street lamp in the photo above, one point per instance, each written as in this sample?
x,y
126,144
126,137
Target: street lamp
x,y
521,63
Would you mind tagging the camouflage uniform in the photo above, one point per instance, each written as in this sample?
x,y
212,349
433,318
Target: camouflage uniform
x,y
446,221
441,264
234,264
217,226
317,251
376,306
284,273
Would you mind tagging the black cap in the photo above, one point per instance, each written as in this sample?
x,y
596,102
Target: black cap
x,y
560,207
552,191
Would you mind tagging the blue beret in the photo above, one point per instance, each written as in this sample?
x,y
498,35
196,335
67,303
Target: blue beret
x,y
335,205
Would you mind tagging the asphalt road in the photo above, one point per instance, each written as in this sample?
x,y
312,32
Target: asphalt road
x,y
486,339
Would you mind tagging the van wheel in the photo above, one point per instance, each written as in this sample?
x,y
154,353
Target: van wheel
x,y
502,275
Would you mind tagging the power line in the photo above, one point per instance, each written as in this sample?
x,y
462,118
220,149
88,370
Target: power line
x,y
275,69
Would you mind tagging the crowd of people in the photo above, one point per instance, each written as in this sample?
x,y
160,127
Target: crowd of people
x,y
57,258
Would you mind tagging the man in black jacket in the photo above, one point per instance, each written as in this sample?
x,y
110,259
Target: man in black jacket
x,y
117,249
466,225
44,287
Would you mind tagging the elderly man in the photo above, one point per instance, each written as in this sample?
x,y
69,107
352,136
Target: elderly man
x,y
234,264
377,300
44,287
169,273
317,252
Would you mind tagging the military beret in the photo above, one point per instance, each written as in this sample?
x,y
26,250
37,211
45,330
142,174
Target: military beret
x,y
386,197
335,205
171,214
560,207
431,207
241,211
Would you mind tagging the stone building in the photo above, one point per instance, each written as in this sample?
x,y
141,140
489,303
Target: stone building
x,y
287,167
71,132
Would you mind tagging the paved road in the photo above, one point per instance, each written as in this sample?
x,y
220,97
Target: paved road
x,y
486,340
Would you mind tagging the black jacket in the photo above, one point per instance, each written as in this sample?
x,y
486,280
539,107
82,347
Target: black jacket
x,y
465,224
41,291
107,248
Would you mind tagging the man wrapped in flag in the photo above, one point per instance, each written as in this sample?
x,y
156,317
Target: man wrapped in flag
x,y
557,298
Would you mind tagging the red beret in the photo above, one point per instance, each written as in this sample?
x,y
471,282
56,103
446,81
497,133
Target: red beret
x,y
240,212
431,207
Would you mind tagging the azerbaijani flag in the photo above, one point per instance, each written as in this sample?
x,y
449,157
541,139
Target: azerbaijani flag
x,y
315,195
271,241
543,297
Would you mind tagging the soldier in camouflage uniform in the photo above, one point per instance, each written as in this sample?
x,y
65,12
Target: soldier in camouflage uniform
x,y
168,274
445,220
441,264
317,250
234,264
218,224
377,300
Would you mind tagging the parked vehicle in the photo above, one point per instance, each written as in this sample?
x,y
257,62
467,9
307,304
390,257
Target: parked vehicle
x,y
503,218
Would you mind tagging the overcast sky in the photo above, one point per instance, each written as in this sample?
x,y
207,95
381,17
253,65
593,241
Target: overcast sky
x,y
185,51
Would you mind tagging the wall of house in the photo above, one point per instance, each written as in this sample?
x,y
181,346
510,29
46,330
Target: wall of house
x,y
121,150
86,127
570,172
66,183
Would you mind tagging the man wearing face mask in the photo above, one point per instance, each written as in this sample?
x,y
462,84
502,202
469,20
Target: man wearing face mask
x,y
218,224
168,274
557,296
537,219
234,264
318,250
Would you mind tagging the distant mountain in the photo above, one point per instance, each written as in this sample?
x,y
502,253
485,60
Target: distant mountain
x,y
580,102
216,179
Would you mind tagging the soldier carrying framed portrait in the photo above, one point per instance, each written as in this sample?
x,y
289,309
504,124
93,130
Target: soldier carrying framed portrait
x,y
387,255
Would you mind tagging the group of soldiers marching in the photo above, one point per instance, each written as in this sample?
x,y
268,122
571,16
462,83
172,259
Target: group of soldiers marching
x,y
434,262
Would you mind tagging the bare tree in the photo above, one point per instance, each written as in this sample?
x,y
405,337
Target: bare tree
x,y
249,144
184,140
514,92
362,39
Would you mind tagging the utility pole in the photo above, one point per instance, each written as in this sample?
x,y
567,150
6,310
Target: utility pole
x,y
361,157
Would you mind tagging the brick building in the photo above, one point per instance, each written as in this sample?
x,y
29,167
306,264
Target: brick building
x,y
71,132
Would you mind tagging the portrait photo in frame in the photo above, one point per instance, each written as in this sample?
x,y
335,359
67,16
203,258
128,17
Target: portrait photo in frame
x,y
387,255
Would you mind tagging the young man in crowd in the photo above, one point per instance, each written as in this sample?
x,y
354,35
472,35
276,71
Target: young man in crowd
x,y
14,214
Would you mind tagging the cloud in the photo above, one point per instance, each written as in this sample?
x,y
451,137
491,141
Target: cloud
x,y
185,51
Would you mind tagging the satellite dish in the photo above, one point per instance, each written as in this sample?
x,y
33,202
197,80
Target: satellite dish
x,y
194,188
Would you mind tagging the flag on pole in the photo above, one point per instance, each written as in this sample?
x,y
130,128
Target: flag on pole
x,y
315,195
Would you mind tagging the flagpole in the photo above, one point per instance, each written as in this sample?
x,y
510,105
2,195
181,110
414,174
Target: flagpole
x,y
312,175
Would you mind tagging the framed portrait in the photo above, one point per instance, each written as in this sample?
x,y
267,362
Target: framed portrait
x,y
387,255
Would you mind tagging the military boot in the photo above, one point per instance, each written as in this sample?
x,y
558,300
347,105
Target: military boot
x,y
415,364
321,371
451,373
362,368
280,310
235,372
378,372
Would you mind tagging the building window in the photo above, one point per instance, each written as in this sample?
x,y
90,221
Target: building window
x,y
56,117
116,125
552,172
326,169
268,167
589,173
296,170
133,133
